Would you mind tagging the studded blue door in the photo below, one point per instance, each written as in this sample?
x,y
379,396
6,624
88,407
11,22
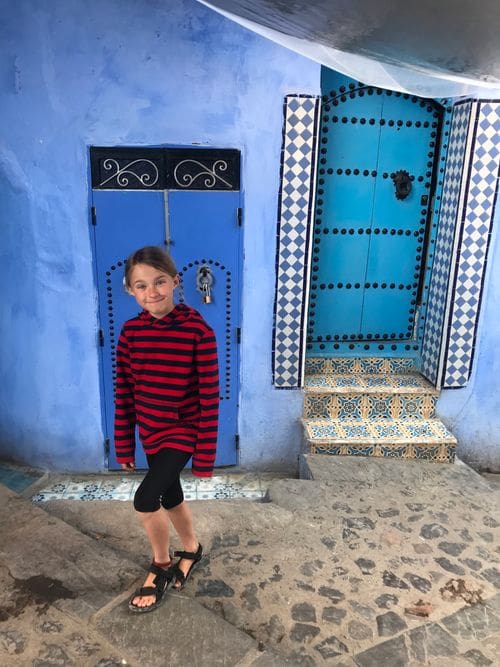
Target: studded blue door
x,y
376,161
205,235
203,228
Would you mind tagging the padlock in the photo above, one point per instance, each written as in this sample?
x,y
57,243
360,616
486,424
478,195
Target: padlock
x,y
207,297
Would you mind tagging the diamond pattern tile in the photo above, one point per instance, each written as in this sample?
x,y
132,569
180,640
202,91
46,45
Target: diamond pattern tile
x,y
450,213
298,167
462,243
472,253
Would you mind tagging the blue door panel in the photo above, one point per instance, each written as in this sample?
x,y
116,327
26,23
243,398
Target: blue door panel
x,y
377,304
205,232
125,222
345,259
391,261
335,309
343,191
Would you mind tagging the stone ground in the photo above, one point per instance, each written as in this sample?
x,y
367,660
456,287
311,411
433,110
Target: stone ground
x,y
331,571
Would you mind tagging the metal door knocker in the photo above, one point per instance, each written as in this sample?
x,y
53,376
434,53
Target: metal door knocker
x,y
204,282
402,182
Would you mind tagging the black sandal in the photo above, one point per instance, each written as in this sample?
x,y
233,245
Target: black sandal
x,y
161,582
178,574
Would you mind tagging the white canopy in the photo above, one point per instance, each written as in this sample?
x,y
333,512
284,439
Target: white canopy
x,y
431,48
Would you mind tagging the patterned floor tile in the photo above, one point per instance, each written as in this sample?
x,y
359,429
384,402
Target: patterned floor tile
x,y
232,485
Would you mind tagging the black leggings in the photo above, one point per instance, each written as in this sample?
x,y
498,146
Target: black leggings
x,y
162,485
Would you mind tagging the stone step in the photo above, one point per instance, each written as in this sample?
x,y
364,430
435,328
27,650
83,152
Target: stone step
x,y
411,438
51,562
368,382
382,405
361,396
351,365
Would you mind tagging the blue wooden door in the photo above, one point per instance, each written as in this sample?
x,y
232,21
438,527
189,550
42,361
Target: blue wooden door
x,y
203,227
376,160
205,234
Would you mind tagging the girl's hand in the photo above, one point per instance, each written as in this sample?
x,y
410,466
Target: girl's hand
x,y
128,466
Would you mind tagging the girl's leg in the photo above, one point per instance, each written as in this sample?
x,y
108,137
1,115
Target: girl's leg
x,y
164,469
182,520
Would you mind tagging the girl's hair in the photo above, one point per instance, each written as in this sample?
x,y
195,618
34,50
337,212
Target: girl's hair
x,y
152,256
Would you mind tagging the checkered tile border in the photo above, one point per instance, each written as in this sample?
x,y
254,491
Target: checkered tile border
x,y
296,208
450,211
475,234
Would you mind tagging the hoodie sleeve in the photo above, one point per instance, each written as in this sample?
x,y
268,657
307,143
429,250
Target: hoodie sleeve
x,y
207,368
124,404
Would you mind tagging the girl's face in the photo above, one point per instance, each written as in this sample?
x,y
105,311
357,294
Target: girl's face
x,y
153,289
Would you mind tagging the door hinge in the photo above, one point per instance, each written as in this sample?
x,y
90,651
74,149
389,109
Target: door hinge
x,y
237,441
106,447
101,338
94,217
238,335
239,216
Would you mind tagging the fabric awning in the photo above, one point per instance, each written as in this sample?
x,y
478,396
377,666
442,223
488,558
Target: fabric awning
x,y
449,48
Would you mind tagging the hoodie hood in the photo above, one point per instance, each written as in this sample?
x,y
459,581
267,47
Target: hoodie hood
x,y
179,314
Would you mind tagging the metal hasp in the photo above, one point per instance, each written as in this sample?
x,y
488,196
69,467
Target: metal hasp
x,y
204,282
402,182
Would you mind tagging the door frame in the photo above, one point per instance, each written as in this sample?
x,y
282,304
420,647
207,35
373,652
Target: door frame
x,y
166,169
330,102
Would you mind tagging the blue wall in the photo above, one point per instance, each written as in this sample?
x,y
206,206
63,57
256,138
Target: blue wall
x,y
473,413
75,74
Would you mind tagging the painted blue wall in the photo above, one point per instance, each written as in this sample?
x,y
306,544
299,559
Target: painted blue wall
x,y
473,413
75,74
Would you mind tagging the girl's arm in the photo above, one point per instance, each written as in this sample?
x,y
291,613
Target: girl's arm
x,y
207,368
124,404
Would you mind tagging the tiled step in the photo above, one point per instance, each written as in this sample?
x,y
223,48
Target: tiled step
x,y
362,396
351,365
410,438
368,382
369,406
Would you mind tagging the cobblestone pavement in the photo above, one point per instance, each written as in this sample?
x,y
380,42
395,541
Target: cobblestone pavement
x,y
372,563
35,633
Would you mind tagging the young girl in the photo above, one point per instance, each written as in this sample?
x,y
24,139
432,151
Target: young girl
x,y
167,383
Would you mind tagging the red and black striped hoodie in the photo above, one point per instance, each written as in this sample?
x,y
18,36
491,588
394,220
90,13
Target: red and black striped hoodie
x,y
167,382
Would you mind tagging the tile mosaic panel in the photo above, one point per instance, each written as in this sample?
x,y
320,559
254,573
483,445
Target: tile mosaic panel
x,y
350,365
450,212
340,383
475,234
237,485
296,207
443,453
377,431
388,406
